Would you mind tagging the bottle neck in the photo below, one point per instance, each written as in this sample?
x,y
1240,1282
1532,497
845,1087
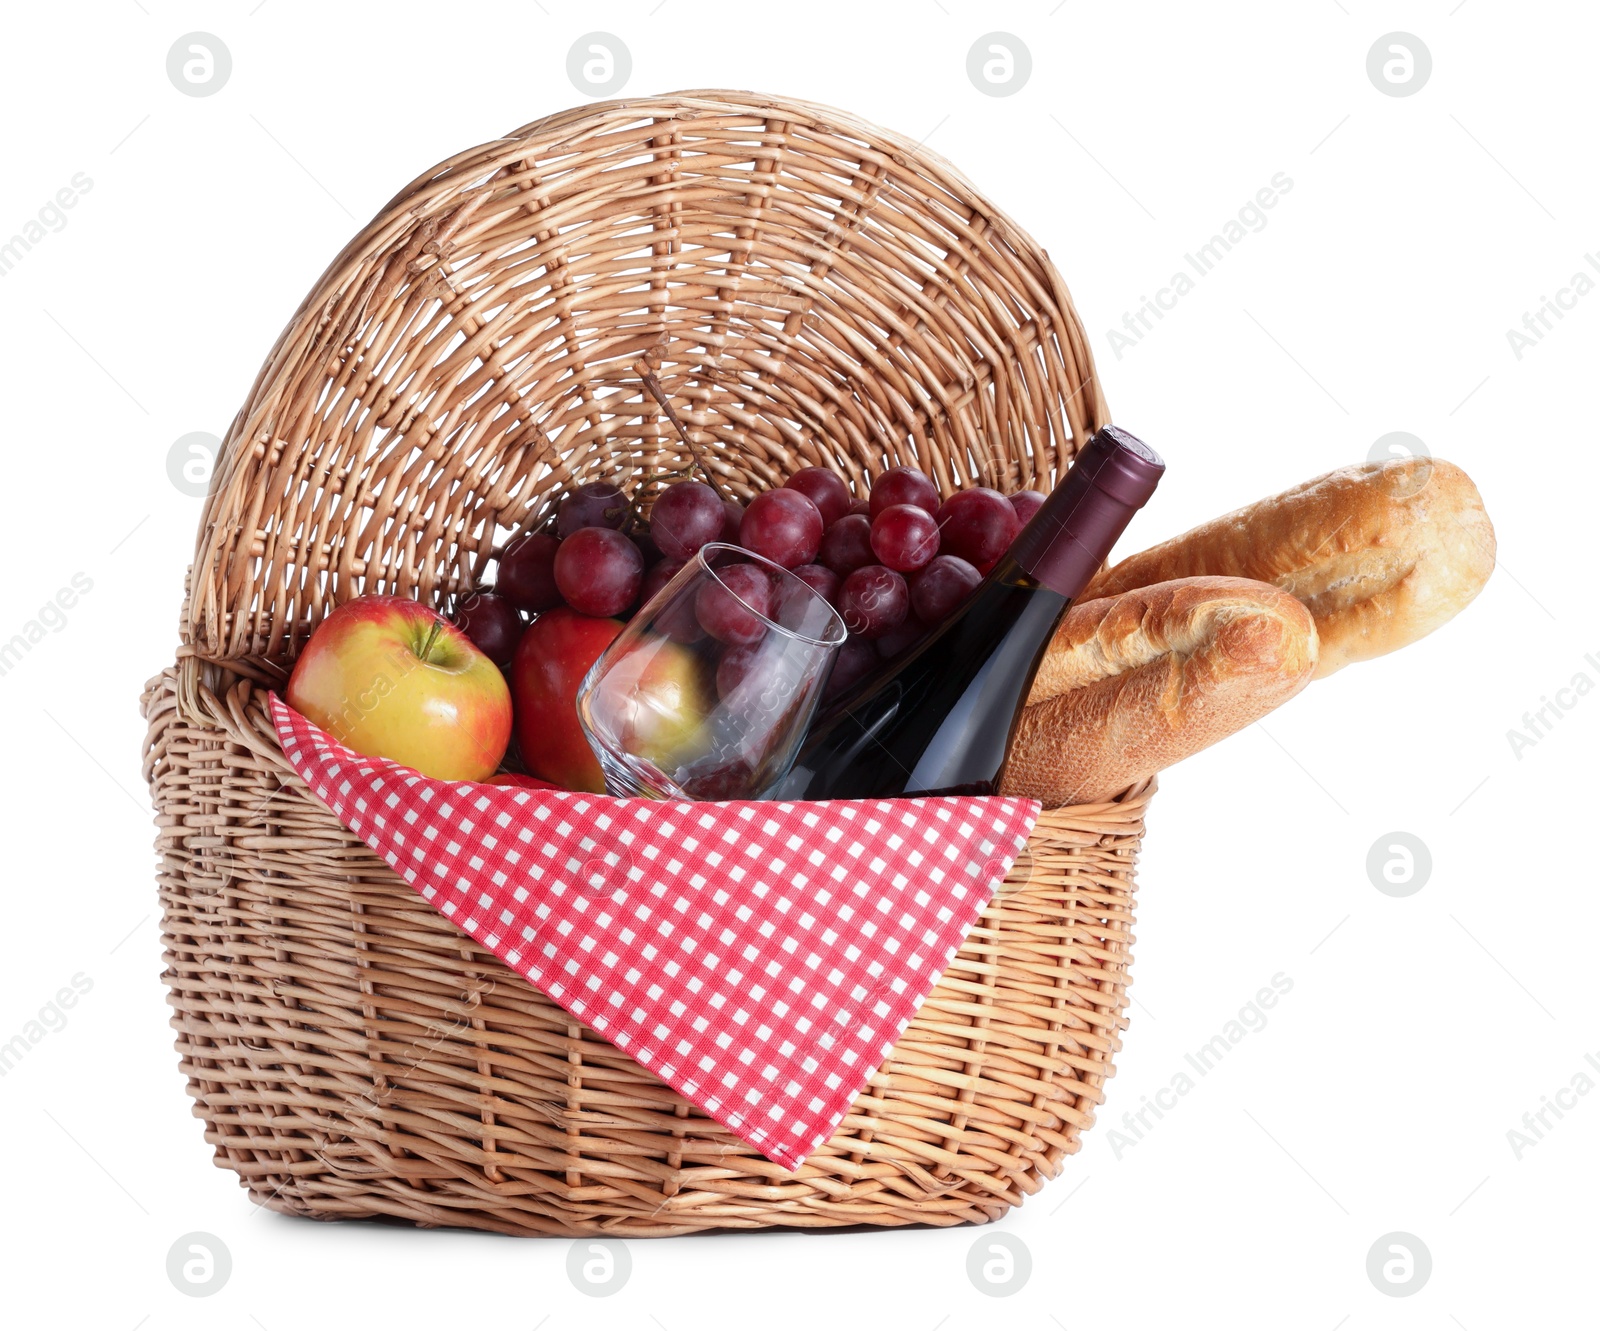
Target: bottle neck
x,y
1072,533
1067,540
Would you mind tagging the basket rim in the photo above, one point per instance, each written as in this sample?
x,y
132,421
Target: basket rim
x,y
234,701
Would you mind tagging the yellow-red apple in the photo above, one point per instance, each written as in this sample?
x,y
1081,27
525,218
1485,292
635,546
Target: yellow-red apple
x,y
656,698
389,678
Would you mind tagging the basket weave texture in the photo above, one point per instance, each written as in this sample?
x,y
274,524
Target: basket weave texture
x,y
815,291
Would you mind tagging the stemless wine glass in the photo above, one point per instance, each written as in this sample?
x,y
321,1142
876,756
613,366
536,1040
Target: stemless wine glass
x,y
707,692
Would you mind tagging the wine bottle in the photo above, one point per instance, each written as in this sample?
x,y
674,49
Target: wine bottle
x,y
939,720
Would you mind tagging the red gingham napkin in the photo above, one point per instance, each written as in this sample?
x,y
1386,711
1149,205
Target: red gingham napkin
x,y
760,957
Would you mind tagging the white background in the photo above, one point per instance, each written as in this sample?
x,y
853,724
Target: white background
x,y
1418,1031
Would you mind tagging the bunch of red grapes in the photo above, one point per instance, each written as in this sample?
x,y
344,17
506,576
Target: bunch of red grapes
x,y
894,565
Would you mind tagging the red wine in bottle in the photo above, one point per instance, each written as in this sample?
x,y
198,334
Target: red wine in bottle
x,y
940,720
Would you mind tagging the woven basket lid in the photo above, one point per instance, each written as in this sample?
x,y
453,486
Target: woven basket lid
x,y
817,291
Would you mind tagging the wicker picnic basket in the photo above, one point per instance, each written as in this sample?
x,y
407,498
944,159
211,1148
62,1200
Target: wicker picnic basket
x,y
816,291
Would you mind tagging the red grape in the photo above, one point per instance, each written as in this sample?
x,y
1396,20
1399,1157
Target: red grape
x,y
733,515
726,781
492,623
940,587
874,600
599,571
1026,503
978,525
847,545
592,504
821,579
861,506
904,537
677,620
852,663
824,489
647,547
684,517
895,641
783,526
658,576
802,604
735,666
527,572
734,602
903,485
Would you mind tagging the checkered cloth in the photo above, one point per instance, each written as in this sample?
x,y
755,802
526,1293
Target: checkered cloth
x,y
760,957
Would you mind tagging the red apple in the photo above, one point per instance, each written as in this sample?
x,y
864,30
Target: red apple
x,y
389,678
551,660
522,782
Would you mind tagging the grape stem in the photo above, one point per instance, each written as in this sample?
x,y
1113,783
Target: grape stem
x,y
646,373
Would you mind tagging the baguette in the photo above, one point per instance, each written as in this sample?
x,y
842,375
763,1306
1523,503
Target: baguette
x,y
1381,554
1134,683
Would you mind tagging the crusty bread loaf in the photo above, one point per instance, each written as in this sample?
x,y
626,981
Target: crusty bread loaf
x,y
1381,554
1134,683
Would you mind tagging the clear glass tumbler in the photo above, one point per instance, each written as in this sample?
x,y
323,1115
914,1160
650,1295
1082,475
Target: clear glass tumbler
x,y
708,691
